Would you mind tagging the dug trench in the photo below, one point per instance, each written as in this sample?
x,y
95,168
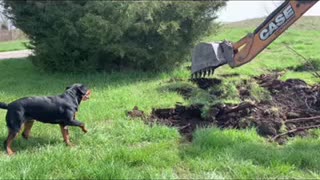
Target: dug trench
x,y
292,109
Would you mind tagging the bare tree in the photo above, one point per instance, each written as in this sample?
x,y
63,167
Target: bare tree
x,y
275,4
4,22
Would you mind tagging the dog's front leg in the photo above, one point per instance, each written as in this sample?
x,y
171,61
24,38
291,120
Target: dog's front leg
x,y
83,127
77,123
71,121
65,134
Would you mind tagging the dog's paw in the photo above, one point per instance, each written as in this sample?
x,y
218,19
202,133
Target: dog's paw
x,y
69,144
84,129
10,152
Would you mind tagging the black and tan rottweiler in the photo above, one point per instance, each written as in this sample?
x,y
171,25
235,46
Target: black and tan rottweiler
x,y
59,109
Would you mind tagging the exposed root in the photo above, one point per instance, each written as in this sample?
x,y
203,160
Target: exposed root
x,y
241,106
297,120
295,130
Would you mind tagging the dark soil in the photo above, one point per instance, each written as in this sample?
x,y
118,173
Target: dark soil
x,y
294,109
205,83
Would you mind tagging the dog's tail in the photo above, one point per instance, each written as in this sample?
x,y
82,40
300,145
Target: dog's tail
x,y
3,105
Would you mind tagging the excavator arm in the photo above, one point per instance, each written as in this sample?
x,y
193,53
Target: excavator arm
x,y
207,57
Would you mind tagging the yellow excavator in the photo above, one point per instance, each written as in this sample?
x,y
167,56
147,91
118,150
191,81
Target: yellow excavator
x,y
206,57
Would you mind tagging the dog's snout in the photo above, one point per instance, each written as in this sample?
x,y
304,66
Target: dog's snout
x,y
87,95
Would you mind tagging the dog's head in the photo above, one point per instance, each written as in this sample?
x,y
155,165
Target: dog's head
x,y
80,90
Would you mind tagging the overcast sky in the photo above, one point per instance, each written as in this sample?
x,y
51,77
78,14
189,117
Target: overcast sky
x,y
241,10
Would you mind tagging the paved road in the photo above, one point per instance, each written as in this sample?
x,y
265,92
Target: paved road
x,y
15,54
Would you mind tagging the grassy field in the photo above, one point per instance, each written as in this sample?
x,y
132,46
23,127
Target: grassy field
x,y
117,147
13,45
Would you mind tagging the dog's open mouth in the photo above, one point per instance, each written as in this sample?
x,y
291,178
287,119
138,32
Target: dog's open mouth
x,y
87,95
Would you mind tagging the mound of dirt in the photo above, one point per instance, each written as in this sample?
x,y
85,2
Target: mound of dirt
x,y
293,109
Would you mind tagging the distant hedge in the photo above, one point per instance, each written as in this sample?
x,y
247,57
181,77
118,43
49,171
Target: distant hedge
x,y
103,35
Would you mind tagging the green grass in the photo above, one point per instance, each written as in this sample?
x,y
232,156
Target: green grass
x,y
245,155
117,147
13,45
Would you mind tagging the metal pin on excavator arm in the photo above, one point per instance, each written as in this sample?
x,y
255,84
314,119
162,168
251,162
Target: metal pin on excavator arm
x,y
206,57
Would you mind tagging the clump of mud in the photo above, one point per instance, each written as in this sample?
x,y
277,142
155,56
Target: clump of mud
x,y
293,109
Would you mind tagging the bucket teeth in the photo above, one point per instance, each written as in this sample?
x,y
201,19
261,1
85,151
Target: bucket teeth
x,y
196,75
203,73
208,72
211,71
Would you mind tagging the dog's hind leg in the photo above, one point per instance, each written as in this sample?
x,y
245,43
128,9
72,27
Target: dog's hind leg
x,y
14,121
27,128
7,143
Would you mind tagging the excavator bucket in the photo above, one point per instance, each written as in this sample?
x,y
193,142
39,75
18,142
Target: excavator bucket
x,y
206,57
